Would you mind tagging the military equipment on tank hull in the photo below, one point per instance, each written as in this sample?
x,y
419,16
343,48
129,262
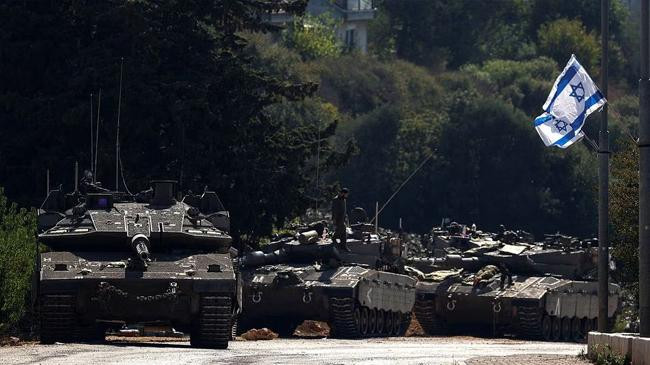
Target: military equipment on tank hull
x,y
293,282
117,259
547,308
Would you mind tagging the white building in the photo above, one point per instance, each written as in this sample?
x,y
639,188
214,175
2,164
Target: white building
x,y
354,16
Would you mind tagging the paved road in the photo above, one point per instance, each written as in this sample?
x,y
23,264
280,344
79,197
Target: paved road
x,y
412,350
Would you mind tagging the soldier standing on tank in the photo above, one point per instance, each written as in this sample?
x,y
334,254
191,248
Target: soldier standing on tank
x,y
339,213
505,275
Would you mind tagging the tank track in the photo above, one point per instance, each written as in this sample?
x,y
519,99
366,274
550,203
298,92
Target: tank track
x,y
60,323
530,322
213,326
343,322
58,318
425,313
345,317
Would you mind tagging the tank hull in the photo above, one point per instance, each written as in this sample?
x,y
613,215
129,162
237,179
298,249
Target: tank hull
x,y
545,308
283,298
107,289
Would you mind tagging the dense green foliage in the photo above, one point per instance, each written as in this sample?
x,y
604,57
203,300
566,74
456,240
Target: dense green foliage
x,y
313,36
625,217
17,252
194,104
561,37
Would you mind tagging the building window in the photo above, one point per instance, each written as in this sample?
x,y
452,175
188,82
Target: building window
x,y
350,38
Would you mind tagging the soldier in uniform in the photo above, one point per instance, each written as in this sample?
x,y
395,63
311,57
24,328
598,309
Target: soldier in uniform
x,y
339,213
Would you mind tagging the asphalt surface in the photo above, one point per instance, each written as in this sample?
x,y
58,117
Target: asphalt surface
x,y
408,350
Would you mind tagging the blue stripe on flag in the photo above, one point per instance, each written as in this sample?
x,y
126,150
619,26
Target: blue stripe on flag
x,y
542,119
577,124
564,81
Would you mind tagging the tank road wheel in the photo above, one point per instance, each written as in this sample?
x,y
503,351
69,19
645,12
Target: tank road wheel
x,y
364,321
547,328
405,324
58,318
388,323
431,323
397,324
566,329
213,325
586,325
381,316
345,318
576,330
372,322
357,320
557,328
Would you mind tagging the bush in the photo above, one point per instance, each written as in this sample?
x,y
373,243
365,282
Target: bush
x,y
560,38
17,253
603,355
313,36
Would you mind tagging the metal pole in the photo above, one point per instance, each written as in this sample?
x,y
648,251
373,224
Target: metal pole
x,y
76,176
99,108
117,134
603,178
92,148
47,181
376,217
644,176
318,168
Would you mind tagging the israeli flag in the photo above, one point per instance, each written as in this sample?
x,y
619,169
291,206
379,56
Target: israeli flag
x,y
574,96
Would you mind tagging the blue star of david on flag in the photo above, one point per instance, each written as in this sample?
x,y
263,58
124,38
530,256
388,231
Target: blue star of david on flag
x,y
561,125
573,98
577,91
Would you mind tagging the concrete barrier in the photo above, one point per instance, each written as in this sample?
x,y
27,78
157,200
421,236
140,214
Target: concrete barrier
x,y
628,344
641,351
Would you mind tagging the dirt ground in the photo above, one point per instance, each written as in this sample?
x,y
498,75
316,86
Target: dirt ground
x,y
406,350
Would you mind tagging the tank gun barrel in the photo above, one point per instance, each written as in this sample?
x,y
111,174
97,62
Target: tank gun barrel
x,y
140,246
291,253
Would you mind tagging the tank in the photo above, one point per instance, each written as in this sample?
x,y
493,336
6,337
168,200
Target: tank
x,y
505,283
115,259
305,277
532,307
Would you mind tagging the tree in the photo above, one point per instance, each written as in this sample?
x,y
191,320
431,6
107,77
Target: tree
x,y
313,36
625,218
194,108
560,38
17,254
435,34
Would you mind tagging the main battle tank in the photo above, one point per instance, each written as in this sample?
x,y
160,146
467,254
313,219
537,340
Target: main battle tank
x,y
550,297
148,259
358,293
535,307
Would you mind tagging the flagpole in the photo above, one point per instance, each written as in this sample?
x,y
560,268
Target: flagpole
x,y
644,178
603,178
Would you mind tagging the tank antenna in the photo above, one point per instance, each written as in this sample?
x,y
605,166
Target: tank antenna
x,y
47,181
318,168
99,106
76,176
117,136
401,186
92,152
